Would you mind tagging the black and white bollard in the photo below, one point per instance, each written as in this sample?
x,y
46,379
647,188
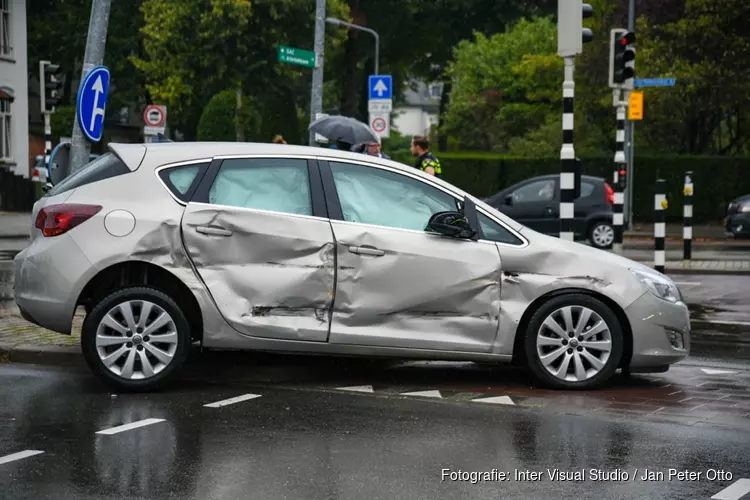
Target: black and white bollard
x,y
660,204
687,213
619,179
567,155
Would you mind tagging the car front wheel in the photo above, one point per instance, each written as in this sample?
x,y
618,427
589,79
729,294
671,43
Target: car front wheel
x,y
573,341
602,235
136,338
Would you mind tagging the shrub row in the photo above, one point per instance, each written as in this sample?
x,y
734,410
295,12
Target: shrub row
x,y
716,180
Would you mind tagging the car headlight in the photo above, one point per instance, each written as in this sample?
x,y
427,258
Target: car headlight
x,y
659,285
745,207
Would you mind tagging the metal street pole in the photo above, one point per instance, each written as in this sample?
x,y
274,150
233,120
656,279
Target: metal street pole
x,y
629,134
374,33
94,56
316,97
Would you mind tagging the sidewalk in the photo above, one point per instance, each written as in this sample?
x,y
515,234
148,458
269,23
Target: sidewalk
x,y
674,231
15,225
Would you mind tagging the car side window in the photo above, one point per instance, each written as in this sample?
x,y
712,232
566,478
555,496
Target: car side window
x,y
587,189
371,195
493,231
541,190
275,184
181,178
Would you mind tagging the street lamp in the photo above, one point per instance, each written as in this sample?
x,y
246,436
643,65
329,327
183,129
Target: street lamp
x,y
374,33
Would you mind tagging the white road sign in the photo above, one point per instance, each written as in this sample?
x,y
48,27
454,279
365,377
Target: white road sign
x,y
153,130
380,105
155,115
380,123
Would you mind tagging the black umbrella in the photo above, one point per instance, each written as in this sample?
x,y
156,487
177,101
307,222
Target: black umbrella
x,y
343,128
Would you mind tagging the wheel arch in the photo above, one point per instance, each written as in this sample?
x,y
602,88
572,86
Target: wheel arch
x,y
136,272
627,331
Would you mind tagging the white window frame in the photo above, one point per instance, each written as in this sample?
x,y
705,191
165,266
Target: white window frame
x,y
6,38
6,138
432,89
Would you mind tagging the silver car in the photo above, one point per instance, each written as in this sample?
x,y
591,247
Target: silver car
x,y
284,248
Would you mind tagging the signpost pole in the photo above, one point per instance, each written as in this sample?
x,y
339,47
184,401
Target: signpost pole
x,y
629,134
316,98
94,56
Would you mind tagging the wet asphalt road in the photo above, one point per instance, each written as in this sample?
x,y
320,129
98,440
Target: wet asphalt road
x,y
315,444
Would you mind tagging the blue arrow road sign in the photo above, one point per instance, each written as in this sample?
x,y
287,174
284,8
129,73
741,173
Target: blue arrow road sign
x,y
655,82
380,87
92,99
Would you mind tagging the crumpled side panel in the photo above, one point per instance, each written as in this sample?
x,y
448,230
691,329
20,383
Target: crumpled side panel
x,y
273,277
425,292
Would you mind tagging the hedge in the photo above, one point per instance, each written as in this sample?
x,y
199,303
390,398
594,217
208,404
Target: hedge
x,y
716,180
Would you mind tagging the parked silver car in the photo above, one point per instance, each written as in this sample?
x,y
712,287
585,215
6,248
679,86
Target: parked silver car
x,y
284,248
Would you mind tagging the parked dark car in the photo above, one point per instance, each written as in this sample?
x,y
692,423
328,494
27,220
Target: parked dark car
x,y
536,203
737,221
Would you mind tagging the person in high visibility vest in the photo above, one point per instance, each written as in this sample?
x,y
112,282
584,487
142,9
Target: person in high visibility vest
x,y
426,161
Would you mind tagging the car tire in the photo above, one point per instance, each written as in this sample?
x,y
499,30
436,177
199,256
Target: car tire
x,y
148,357
601,235
584,357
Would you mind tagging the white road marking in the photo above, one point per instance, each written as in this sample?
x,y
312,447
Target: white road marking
x,y
721,322
734,491
18,456
132,425
497,400
687,283
231,401
711,371
357,388
424,394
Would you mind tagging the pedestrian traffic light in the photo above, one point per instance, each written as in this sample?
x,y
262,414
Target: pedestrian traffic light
x,y
571,35
51,81
621,58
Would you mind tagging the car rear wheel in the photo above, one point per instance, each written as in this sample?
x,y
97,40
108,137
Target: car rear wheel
x,y
573,341
602,235
136,338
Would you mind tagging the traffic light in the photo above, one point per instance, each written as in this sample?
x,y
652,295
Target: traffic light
x,y
622,178
571,35
51,82
621,57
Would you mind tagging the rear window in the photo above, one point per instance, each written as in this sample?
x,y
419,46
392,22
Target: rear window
x,y
587,189
182,180
103,167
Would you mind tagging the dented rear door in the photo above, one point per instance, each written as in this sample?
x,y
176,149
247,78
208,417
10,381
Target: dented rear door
x,y
398,285
255,235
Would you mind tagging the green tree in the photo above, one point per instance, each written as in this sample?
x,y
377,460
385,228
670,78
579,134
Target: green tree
x,y
197,48
505,86
708,51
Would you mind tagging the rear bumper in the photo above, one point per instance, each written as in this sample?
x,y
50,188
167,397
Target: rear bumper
x,y
48,277
653,320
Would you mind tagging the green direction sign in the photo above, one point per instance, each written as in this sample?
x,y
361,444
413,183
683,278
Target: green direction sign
x,y
300,57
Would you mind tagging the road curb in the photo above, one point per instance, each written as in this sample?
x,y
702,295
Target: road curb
x,y
54,355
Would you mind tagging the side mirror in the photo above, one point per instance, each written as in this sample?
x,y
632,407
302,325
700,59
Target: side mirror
x,y
453,224
509,199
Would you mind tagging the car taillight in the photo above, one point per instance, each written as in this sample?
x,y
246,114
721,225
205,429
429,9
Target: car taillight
x,y
55,220
610,193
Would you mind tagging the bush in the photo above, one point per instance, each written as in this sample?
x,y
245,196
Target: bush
x,y
218,118
716,180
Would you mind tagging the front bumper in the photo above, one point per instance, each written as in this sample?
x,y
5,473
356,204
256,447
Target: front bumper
x,y
738,225
47,279
654,321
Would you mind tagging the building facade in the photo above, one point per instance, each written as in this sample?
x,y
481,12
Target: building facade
x,y
14,94
419,111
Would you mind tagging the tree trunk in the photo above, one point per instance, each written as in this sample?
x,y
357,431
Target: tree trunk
x,y
239,125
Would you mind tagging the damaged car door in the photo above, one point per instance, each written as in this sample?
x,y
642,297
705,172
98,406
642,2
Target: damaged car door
x,y
399,285
257,234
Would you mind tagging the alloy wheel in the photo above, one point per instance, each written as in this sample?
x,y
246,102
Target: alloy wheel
x,y
574,343
136,339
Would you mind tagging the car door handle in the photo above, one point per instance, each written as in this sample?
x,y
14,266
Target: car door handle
x,y
213,231
367,250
